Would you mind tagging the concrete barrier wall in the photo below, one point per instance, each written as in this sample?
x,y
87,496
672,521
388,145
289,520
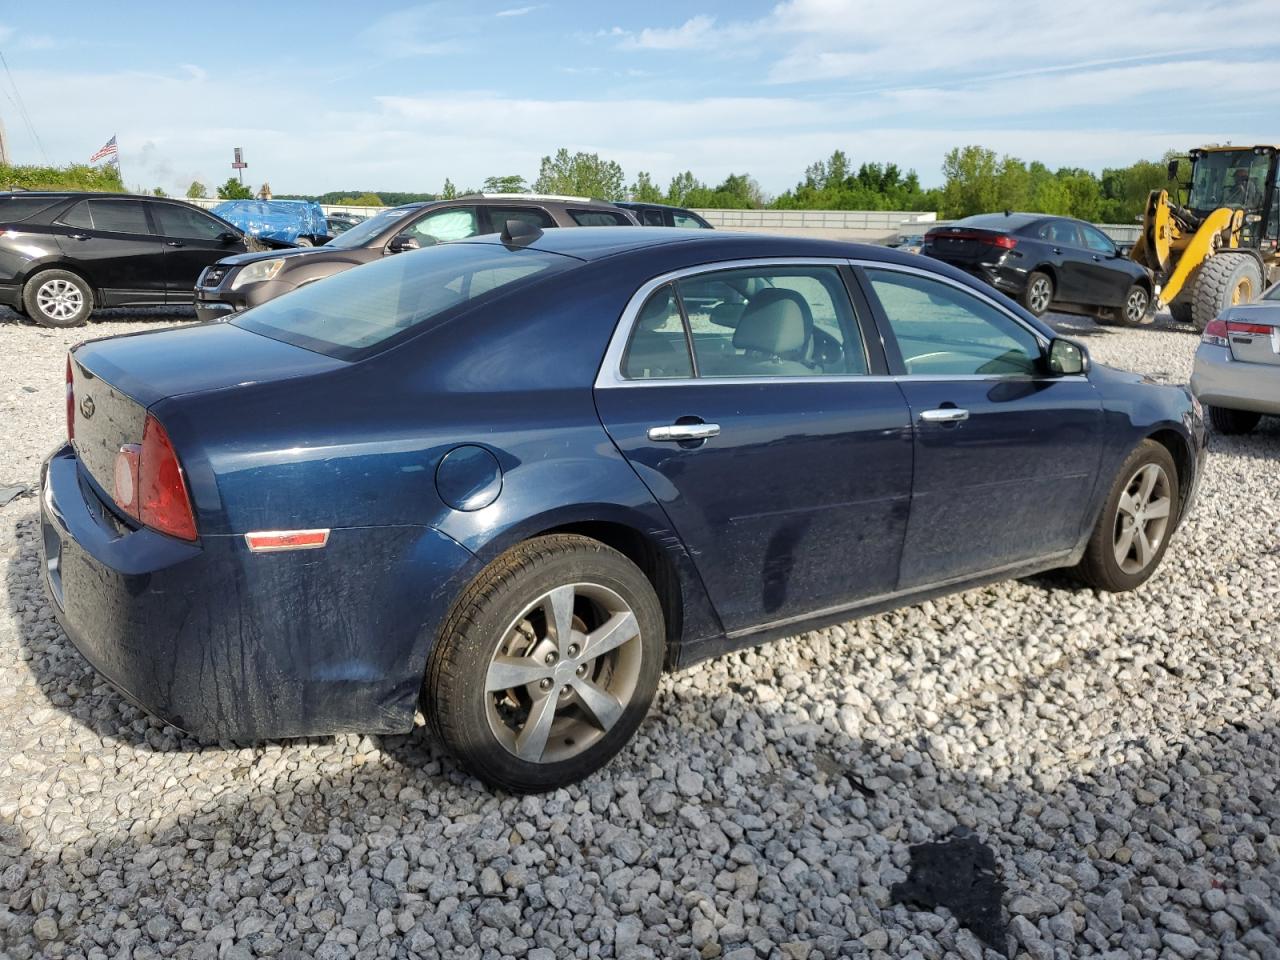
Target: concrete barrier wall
x,y
863,226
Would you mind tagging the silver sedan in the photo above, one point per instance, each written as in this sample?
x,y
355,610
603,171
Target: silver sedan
x,y
1237,367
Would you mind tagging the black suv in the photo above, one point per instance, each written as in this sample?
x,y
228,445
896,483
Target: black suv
x,y
239,282
663,215
63,254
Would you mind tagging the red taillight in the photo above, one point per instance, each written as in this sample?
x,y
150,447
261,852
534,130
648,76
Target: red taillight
x,y
71,402
1002,241
1235,326
149,485
1215,332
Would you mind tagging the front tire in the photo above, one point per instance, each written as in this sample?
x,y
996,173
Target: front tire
x,y
304,242
1037,295
57,298
547,664
1233,421
1136,522
1136,308
1224,280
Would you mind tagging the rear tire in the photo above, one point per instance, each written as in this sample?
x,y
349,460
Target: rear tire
x,y
1136,522
512,686
1037,295
1225,279
1136,309
304,242
1231,422
57,298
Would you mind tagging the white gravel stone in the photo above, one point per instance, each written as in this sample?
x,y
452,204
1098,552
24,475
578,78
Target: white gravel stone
x,y
1120,754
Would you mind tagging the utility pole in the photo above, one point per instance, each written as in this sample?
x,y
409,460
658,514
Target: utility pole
x,y
4,145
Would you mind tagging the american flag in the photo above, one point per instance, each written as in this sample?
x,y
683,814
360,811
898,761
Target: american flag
x,y
108,149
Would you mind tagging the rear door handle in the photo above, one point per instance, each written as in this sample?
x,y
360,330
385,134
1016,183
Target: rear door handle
x,y
78,236
944,415
684,431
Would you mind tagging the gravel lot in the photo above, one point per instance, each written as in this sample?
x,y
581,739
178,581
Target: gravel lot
x,y
1119,755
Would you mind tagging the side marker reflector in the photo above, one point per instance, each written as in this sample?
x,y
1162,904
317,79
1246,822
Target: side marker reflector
x,y
273,541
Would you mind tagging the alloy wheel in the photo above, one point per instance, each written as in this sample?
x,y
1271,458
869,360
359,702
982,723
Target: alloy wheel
x,y
59,299
1142,518
1135,307
1040,295
563,672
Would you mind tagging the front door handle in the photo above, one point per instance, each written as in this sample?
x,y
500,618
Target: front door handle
x,y
684,431
174,243
78,236
944,415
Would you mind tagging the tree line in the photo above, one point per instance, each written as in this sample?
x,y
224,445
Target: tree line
x,y
976,180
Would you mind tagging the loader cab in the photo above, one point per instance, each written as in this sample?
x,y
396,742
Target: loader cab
x,y
1242,178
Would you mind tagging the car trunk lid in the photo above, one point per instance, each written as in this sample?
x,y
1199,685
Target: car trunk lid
x,y
115,380
1253,332
967,244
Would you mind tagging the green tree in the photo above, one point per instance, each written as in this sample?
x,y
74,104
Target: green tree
x,y
683,186
1125,189
159,192
233,189
197,190
644,190
738,192
580,174
448,192
511,183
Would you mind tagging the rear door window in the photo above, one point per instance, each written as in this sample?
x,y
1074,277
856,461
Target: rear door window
x,y
659,347
78,216
653,218
687,220
119,216
534,216
599,218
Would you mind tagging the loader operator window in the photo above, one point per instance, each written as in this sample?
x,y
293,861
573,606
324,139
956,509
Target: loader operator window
x,y
1229,178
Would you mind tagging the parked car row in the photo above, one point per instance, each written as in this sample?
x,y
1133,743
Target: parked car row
x,y
64,254
509,479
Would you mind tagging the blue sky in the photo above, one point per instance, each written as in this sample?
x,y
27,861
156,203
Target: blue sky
x,y
383,95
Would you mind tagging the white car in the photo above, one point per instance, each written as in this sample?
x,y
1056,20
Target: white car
x,y
1237,367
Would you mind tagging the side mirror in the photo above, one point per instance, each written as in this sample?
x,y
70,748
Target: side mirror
x,y
1173,169
403,243
228,237
1067,359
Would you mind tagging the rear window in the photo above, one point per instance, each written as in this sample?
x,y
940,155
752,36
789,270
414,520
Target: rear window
x,y
17,209
599,218
357,312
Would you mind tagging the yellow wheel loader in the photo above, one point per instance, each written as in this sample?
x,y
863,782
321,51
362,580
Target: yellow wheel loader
x,y
1220,248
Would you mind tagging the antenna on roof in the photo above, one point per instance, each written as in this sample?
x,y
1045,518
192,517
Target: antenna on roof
x,y
1008,213
519,233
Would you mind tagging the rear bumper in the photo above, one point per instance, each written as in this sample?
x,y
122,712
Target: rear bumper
x,y
1221,381
230,645
1004,278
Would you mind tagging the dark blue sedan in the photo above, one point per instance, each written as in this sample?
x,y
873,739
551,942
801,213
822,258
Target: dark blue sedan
x,y
509,480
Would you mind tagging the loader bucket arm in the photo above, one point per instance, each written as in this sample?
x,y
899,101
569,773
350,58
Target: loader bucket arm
x,y
1221,228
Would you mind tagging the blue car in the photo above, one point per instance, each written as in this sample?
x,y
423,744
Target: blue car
x,y
301,222
511,479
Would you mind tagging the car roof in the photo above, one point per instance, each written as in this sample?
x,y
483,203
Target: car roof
x,y
1002,221
595,243
89,194
645,204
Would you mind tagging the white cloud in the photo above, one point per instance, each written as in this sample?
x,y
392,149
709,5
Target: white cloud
x,y
518,11
692,33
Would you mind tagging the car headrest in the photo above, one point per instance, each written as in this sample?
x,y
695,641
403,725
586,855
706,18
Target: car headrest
x,y
775,322
656,310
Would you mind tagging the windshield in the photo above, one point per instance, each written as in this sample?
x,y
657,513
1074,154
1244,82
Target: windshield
x,y
356,312
1229,178
366,230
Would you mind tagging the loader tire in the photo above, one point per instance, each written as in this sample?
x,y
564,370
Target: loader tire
x,y
1224,280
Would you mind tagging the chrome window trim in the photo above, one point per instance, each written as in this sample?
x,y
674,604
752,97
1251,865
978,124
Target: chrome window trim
x,y
610,373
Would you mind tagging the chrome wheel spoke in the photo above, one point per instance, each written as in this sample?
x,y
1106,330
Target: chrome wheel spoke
x,y
1150,474
508,673
1157,509
558,608
603,707
1127,505
1143,545
1124,543
611,634
532,739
